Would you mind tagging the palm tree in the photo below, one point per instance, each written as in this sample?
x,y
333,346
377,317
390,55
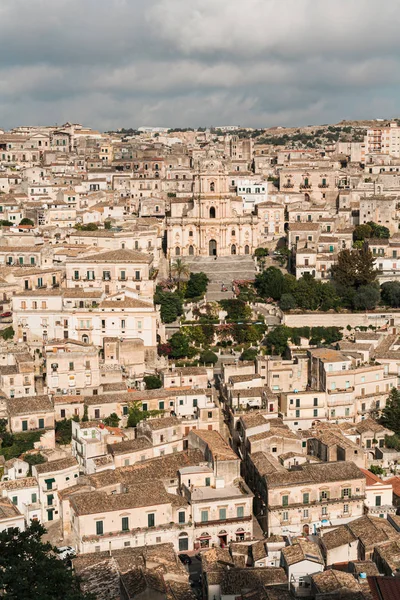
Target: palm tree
x,y
180,269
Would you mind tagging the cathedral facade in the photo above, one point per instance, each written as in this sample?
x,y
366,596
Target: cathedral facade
x,y
212,222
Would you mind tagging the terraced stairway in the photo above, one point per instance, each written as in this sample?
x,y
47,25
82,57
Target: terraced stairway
x,y
222,270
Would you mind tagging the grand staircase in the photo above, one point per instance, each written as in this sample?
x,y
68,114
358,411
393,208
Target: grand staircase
x,y
222,270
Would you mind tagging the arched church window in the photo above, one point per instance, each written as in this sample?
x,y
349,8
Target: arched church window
x,y
212,212
233,233
212,186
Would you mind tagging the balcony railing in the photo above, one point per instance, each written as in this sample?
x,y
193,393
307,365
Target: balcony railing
x,y
305,186
223,521
325,501
323,185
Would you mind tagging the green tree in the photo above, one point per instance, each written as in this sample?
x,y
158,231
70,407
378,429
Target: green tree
x,y
390,291
136,414
270,283
107,224
64,431
26,221
354,268
179,269
208,357
379,231
179,345
376,470
276,340
237,309
153,382
112,420
4,223
88,227
287,302
34,459
7,333
85,417
249,354
366,297
197,285
170,303
261,252
362,232
30,569
390,416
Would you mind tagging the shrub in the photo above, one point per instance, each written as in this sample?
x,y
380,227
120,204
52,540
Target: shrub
x,y
152,382
208,357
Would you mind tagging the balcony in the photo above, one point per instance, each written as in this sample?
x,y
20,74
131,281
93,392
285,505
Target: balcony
x,y
288,185
223,521
325,501
305,186
323,185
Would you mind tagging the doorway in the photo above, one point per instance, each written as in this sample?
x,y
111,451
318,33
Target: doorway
x,y
212,247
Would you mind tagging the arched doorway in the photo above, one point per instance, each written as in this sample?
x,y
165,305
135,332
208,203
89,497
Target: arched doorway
x,y
177,251
247,249
85,339
233,249
212,212
223,538
212,248
191,250
307,197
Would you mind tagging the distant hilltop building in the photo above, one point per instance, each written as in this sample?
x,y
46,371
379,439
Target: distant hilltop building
x,y
153,129
228,128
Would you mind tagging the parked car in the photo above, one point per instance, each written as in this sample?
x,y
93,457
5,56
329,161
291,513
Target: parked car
x,y
185,558
6,314
66,552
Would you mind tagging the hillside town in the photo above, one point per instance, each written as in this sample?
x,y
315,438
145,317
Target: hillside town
x,y
200,358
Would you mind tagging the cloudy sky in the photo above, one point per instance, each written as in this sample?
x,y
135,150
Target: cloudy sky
x,y
179,63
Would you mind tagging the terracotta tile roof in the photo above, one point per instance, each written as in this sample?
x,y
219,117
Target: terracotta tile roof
x,y
29,405
116,256
216,444
56,465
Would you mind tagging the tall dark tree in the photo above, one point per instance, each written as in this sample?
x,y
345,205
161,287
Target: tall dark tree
x,y
31,570
354,268
390,416
391,293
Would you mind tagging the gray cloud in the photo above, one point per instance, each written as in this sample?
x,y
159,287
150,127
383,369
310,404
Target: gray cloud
x,y
114,63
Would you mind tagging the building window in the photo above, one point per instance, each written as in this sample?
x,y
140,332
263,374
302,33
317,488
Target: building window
x,y
346,493
222,514
204,516
99,528
324,495
34,498
97,413
306,498
305,513
285,500
378,501
324,511
297,414
345,508
24,425
240,512
125,523
14,500
161,405
315,412
208,481
151,520
285,515
181,517
315,401
41,423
